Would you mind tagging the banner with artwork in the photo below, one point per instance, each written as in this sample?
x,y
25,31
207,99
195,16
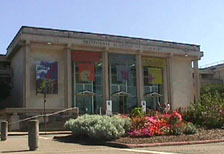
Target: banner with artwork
x,y
155,76
86,72
47,77
123,72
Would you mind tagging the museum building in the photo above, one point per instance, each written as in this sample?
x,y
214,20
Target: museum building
x,y
85,70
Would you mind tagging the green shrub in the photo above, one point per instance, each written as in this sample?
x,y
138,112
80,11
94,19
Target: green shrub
x,y
177,128
99,127
127,125
137,112
212,89
190,128
206,112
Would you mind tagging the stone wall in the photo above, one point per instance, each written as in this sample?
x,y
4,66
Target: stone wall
x,y
53,101
17,66
183,90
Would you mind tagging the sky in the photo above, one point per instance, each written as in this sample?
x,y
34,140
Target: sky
x,y
198,22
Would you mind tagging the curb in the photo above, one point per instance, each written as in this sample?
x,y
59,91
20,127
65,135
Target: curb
x,y
40,133
123,145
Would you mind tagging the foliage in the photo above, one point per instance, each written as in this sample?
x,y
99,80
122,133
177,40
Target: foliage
x,y
208,111
45,85
177,128
160,124
190,128
151,113
99,127
173,118
139,122
212,89
137,112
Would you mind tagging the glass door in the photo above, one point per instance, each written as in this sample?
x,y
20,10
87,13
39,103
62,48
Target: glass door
x,y
87,82
122,77
153,82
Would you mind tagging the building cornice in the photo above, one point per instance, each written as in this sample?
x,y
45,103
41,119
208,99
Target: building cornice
x,y
56,36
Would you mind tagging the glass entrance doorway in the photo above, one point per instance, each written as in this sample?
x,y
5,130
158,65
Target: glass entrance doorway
x,y
122,77
87,82
153,82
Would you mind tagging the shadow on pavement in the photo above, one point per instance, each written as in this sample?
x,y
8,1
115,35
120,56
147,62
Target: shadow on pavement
x,y
83,140
15,151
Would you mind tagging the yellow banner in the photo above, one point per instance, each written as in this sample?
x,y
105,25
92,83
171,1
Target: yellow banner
x,y
157,62
155,76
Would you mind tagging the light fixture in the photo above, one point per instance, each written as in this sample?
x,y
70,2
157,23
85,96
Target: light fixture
x,y
186,53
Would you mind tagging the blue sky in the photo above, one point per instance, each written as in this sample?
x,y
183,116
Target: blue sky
x,y
188,21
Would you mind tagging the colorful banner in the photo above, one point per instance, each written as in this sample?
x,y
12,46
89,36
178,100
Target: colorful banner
x,y
47,77
155,76
86,72
156,62
123,72
83,56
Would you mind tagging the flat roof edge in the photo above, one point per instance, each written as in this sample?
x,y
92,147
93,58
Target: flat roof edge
x,y
26,29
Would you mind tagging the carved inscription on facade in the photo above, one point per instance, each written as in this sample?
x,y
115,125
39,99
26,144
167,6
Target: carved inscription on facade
x,y
121,45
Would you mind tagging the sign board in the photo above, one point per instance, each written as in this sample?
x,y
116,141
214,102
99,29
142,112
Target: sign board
x,y
143,104
109,107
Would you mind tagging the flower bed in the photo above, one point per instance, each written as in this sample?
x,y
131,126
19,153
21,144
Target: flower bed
x,y
160,124
201,135
137,125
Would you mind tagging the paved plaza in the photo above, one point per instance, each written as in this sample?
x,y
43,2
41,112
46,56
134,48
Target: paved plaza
x,y
19,145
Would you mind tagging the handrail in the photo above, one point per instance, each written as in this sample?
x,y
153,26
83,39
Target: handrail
x,y
42,115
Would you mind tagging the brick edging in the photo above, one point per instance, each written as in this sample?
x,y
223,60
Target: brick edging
x,y
123,145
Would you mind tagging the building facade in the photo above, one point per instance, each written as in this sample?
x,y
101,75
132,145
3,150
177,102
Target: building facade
x,y
87,69
213,74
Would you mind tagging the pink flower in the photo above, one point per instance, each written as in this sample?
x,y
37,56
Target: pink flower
x,y
175,113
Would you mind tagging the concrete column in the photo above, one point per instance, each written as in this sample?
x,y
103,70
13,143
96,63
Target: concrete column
x,y
105,78
33,134
139,78
68,77
26,81
4,130
196,79
170,80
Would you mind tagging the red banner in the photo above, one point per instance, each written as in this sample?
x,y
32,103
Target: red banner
x,y
86,72
83,56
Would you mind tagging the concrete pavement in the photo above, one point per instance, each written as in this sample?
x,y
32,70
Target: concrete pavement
x,y
211,148
19,145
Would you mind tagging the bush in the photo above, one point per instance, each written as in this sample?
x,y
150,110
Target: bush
x,y
212,89
208,111
137,112
190,128
139,122
99,127
177,128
